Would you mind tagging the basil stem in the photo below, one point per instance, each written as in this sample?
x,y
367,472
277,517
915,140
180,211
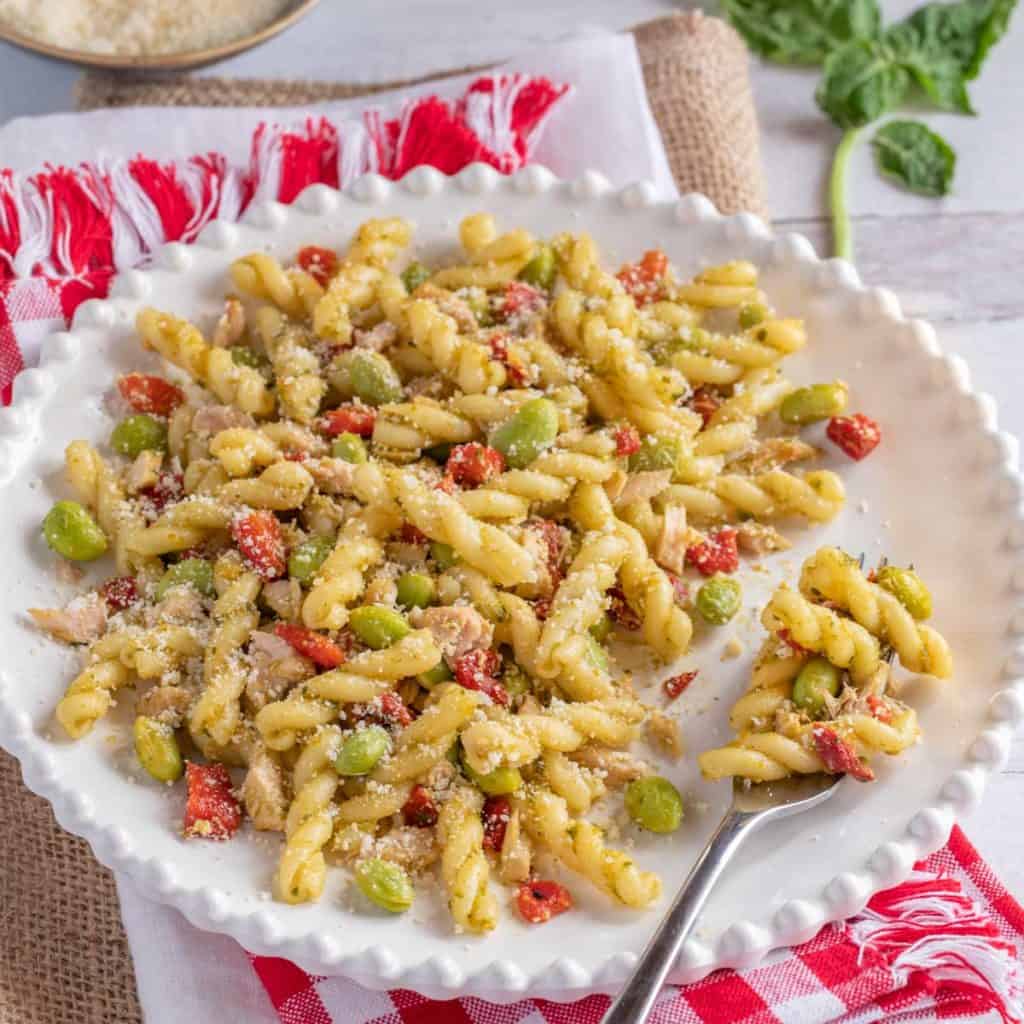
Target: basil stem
x,y
842,231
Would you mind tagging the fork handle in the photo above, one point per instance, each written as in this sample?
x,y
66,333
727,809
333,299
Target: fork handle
x,y
641,990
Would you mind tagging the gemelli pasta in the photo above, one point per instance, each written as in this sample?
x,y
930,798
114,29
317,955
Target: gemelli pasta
x,y
381,533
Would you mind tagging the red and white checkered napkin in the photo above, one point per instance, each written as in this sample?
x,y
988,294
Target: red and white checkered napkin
x,y
946,945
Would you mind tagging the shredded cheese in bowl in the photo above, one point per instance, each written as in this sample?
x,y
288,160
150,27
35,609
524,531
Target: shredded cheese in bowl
x,y
138,27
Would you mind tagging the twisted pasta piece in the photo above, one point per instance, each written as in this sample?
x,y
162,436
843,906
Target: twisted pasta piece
x,y
461,359
842,641
300,388
838,578
577,786
722,359
818,495
281,487
180,342
293,291
217,711
580,846
99,490
730,284
366,676
429,738
241,450
513,741
89,696
412,426
183,526
768,756
464,867
309,825
379,240
443,519
494,259
757,393
149,653
550,478
666,627
578,603
520,629
342,577
355,289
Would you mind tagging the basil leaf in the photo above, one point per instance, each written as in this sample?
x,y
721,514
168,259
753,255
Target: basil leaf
x,y
944,45
915,156
802,31
861,82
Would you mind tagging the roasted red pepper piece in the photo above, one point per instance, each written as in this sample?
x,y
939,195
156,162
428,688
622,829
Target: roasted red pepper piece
x,y
839,757
857,435
120,592
349,419
212,810
495,815
319,262
154,395
645,280
420,810
474,464
718,552
676,684
539,901
627,440
321,650
478,670
258,537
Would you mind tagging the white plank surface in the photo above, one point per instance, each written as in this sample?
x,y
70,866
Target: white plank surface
x,y
956,261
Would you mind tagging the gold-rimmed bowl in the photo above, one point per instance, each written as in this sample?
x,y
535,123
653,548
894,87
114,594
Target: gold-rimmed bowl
x,y
162,61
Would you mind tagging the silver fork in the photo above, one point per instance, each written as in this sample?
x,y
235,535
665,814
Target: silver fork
x,y
752,807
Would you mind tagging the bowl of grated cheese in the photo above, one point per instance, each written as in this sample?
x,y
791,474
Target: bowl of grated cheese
x,y
145,34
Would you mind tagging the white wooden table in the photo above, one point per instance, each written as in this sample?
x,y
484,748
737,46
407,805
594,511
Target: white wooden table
x,y
956,262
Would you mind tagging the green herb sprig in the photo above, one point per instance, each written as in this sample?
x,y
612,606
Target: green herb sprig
x,y
869,70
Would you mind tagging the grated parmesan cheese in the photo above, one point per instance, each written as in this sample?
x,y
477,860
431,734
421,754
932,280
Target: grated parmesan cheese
x,y
139,27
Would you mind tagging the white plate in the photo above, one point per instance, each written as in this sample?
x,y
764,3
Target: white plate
x,y
940,491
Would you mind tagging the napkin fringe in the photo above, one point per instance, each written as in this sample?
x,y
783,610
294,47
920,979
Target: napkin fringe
x,y
89,221
934,937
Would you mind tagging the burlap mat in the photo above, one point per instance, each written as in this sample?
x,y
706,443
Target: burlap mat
x,y
63,954
695,69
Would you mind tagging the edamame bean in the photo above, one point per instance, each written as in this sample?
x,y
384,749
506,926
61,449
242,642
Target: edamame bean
x,y
439,452
416,590
818,402
499,782
529,432
374,379
817,678
752,313
349,447
361,750
414,275
654,804
440,673
242,355
908,588
378,627
305,561
70,531
655,453
443,554
479,302
718,600
540,271
137,433
515,680
384,883
596,654
195,572
157,749
600,629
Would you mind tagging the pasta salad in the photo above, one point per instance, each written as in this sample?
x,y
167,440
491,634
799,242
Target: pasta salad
x,y
379,533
